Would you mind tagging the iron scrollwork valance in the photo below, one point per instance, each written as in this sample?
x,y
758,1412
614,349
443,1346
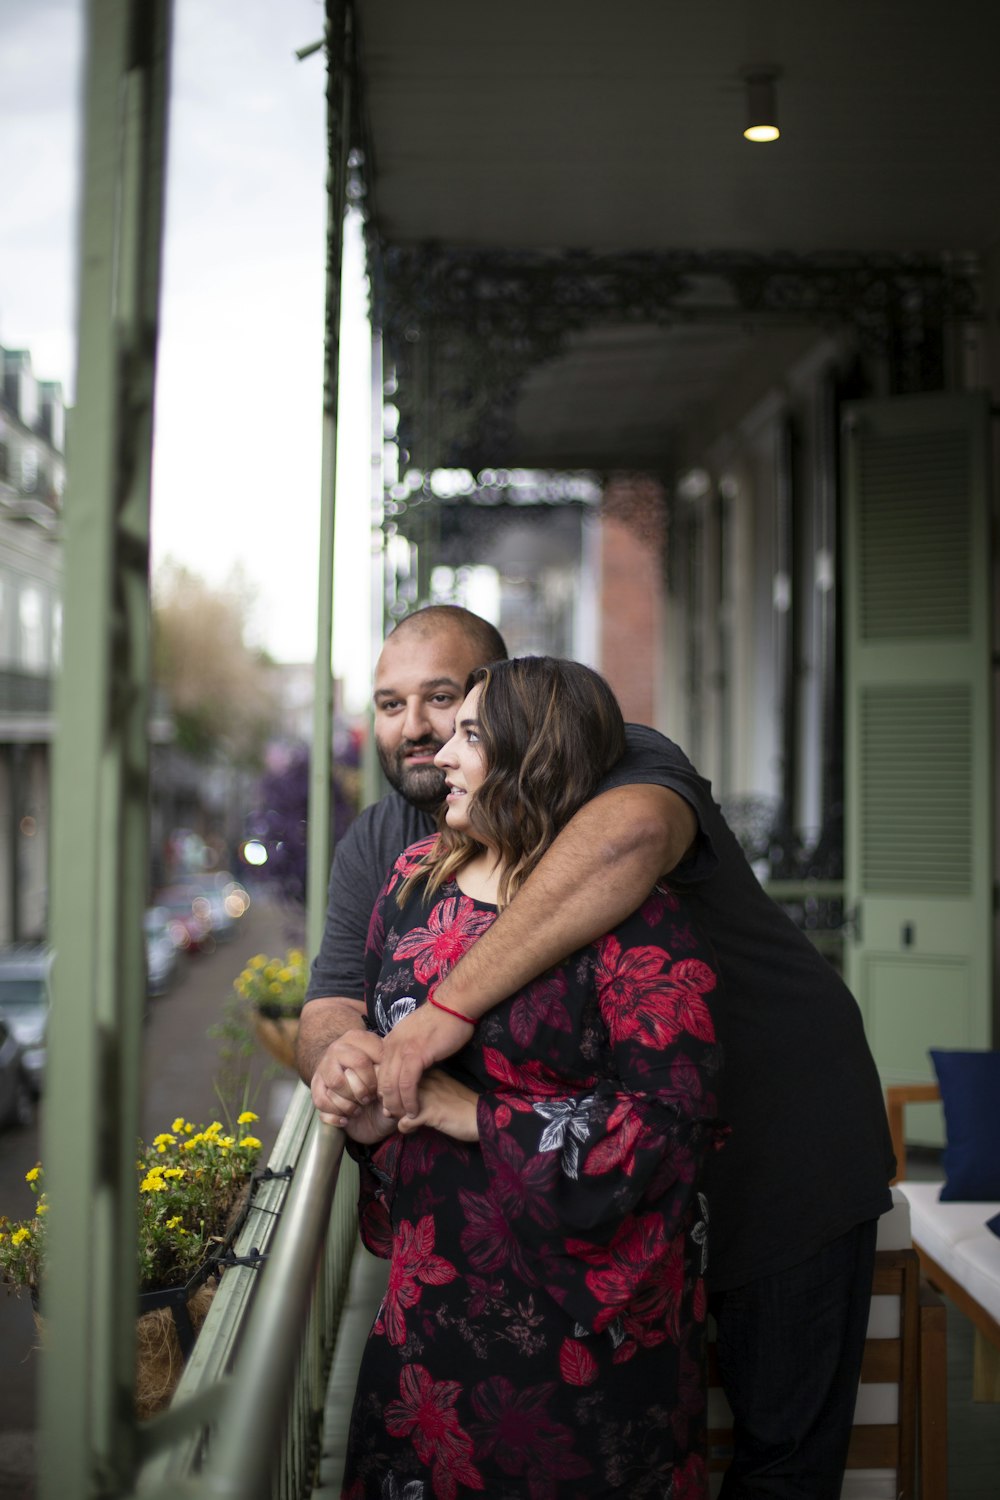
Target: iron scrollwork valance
x,y
465,327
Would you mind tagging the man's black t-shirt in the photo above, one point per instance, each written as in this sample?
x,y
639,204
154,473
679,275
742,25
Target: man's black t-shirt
x,y
809,1154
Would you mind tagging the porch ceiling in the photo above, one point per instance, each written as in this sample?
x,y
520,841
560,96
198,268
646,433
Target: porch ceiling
x,y
554,126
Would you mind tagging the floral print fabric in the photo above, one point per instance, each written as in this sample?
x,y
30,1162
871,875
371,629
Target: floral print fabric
x,y
541,1334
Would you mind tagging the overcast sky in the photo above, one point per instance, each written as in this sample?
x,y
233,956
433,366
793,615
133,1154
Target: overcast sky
x,y
239,387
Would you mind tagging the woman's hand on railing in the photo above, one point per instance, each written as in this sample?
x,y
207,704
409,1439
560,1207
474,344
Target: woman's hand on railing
x,y
368,1126
445,1105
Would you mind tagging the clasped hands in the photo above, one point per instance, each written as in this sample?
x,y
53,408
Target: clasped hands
x,y
372,1086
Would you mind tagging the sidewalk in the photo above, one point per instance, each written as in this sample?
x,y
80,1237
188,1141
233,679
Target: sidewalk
x,y
182,1063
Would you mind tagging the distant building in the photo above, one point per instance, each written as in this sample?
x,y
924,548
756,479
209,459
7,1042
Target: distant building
x,y
32,480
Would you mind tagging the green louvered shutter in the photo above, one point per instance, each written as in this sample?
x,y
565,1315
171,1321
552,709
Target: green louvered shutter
x,y
919,728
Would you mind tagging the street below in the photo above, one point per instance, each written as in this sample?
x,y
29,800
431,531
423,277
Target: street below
x,y
184,1071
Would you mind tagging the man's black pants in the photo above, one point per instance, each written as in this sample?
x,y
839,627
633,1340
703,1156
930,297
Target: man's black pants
x,y
790,1348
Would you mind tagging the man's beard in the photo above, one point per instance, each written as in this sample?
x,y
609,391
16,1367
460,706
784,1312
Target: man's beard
x,y
423,786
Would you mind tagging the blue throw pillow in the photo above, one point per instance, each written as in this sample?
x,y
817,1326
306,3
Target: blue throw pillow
x,y
970,1093
994,1223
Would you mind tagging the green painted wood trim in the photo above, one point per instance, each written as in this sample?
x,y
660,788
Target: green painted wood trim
x,y
919,762
99,863
320,845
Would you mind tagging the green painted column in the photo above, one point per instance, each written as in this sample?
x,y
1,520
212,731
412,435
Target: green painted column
x,y
339,64
373,784
99,863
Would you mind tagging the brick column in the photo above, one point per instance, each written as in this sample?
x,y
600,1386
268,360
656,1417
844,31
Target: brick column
x,y
633,537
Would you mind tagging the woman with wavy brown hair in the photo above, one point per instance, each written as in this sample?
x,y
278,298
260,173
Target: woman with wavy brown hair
x,y
542,1330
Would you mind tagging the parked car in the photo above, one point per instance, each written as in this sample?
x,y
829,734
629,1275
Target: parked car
x,y
24,1003
227,900
189,912
161,950
17,1098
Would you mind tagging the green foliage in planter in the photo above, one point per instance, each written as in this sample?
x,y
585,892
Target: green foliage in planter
x,y
189,1181
274,986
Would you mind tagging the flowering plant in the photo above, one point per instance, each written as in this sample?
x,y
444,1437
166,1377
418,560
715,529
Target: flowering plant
x,y
274,986
21,1244
189,1180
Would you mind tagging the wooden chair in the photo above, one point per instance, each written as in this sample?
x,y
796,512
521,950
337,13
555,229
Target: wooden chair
x,y
986,1347
902,1397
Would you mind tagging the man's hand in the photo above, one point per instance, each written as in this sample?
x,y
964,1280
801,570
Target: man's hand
x,y
426,1036
322,1021
345,1080
445,1105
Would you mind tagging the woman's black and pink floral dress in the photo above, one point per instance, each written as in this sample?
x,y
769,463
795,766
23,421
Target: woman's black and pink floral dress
x,y
541,1335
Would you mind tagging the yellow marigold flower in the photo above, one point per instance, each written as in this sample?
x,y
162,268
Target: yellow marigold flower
x,y
188,1127
285,975
20,1235
178,1124
42,1208
258,961
33,1174
174,1172
247,1117
153,1182
251,1142
211,1131
190,1145
165,1139
173,1223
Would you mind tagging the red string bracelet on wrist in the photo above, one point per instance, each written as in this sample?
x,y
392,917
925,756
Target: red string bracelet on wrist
x,y
448,1012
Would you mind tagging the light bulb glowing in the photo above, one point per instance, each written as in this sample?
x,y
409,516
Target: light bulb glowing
x,y
762,104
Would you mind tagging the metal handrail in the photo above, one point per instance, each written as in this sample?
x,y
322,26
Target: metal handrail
x,y
226,1434
250,1426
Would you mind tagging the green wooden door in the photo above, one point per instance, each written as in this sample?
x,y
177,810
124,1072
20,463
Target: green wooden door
x,y
919,728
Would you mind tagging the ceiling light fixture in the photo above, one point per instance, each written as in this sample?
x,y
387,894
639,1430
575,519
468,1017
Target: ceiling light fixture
x,y
762,107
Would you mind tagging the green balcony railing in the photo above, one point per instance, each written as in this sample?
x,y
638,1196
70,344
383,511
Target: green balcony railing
x,y
817,908
246,1417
